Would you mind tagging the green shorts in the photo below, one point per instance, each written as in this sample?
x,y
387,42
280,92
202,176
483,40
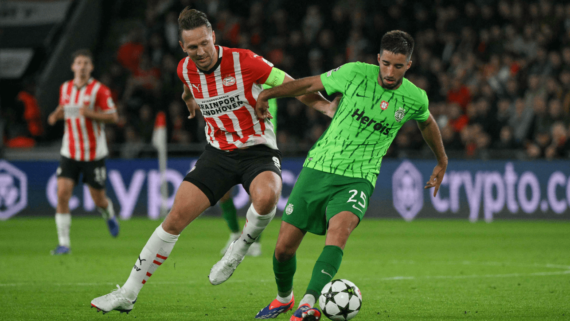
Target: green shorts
x,y
318,196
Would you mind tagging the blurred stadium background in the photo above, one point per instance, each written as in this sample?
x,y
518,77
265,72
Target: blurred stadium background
x,y
497,74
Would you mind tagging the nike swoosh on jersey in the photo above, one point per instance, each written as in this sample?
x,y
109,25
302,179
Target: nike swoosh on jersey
x,y
359,95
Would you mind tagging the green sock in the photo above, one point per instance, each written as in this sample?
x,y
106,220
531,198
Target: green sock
x,y
230,215
284,272
325,269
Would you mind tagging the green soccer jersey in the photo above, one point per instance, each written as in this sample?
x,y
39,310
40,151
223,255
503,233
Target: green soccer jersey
x,y
366,121
272,109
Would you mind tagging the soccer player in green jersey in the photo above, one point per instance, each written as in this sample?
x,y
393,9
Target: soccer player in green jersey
x,y
332,192
229,212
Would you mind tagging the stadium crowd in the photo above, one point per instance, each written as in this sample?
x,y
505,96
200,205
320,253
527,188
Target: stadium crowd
x,y
497,73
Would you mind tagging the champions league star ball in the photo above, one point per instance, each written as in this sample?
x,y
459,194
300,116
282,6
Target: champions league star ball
x,y
340,300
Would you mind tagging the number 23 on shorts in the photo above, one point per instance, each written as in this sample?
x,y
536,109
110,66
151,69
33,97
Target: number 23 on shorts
x,y
361,203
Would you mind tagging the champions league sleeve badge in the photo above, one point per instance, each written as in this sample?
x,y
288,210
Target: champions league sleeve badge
x,y
399,114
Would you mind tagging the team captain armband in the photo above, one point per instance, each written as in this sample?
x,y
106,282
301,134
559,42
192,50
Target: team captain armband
x,y
276,77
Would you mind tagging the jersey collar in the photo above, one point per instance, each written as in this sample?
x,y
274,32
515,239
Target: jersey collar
x,y
214,67
86,84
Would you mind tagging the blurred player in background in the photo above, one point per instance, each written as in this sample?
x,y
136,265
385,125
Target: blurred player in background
x,y
86,106
338,177
223,83
229,212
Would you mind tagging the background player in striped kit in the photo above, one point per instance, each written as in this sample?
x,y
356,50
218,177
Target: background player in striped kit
x,y
223,83
229,212
86,106
332,192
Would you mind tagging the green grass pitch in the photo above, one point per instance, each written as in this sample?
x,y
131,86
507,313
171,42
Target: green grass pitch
x,y
422,270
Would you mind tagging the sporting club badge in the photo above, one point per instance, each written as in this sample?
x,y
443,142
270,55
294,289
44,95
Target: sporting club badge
x,y
384,105
407,187
13,190
229,81
289,209
399,114
331,71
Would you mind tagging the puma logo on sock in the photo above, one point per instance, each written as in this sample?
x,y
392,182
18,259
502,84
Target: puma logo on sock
x,y
141,260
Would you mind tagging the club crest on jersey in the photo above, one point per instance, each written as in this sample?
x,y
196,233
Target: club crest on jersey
x,y
289,209
229,81
399,114
384,105
331,71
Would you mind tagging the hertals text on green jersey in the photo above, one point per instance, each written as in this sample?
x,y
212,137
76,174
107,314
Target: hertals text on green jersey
x,y
366,121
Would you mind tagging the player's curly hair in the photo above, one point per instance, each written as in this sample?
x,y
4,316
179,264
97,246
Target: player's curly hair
x,y
191,19
398,42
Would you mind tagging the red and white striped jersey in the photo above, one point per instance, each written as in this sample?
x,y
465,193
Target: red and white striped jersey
x,y
84,138
227,98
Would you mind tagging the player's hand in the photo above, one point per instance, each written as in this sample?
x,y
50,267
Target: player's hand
x,y
85,112
437,176
262,108
333,106
52,119
192,107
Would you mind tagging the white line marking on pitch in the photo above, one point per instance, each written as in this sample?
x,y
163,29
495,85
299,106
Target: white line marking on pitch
x,y
393,278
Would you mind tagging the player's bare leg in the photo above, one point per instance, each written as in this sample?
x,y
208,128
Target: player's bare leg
x,y
105,207
189,203
340,228
63,216
284,267
264,190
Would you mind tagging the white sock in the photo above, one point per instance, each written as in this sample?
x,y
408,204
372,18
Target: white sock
x,y
108,212
254,225
308,299
285,299
154,253
63,224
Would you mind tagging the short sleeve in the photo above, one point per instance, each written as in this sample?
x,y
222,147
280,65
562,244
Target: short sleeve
x,y
423,114
335,80
104,100
180,72
61,95
257,67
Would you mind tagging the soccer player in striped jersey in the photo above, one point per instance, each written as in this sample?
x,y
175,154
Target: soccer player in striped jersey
x,y
86,106
224,84
338,177
229,212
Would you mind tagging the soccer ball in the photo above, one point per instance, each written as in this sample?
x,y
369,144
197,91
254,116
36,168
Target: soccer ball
x,y
340,300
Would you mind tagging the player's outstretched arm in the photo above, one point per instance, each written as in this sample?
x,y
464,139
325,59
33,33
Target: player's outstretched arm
x,y
316,100
190,102
56,115
432,136
111,117
293,88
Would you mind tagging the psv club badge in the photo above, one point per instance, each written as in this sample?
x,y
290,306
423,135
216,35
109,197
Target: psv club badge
x,y
399,114
229,81
384,105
